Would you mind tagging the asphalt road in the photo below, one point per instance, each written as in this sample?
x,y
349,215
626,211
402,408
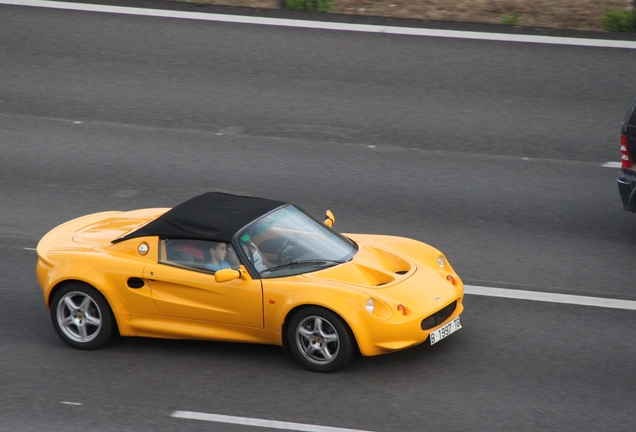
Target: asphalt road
x,y
490,151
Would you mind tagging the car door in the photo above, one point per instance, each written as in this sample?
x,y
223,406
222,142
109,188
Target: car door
x,y
194,294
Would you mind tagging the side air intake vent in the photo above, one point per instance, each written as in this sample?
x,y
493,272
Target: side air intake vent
x,y
135,282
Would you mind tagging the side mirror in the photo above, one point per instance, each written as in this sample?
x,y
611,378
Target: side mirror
x,y
330,219
226,275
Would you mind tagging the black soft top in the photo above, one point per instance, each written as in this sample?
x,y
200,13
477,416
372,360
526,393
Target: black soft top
x,y
212,216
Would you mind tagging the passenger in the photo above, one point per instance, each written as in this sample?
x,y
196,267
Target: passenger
x,y
217,257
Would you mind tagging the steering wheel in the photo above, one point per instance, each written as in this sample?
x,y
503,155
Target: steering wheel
x,y
286,251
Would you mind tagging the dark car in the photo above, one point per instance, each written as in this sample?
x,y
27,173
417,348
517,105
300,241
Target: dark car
x,y
627,176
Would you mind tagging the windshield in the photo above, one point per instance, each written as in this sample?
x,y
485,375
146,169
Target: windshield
x,y
288,241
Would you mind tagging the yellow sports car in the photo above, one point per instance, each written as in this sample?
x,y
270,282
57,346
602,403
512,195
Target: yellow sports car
x,y
243,269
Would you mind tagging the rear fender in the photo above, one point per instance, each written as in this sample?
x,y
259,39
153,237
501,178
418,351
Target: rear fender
x,y
111,284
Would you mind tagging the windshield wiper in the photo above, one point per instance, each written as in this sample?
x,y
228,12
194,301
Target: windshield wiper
x,y
305,262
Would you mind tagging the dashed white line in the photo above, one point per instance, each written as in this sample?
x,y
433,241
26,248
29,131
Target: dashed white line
x,y
539,296
72,403
550,297
248,421
612,164
238,19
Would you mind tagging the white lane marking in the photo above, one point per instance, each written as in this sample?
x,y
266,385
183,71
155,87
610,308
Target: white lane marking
x,y
501,37
550,297
247,421
540,296
613,164
72,403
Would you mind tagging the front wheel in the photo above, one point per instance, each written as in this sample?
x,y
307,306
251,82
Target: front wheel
x,y
320,340
81,316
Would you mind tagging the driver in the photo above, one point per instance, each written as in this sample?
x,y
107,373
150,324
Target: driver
x,y
254,255
257,258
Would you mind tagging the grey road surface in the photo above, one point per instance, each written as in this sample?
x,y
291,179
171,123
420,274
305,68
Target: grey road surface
x,y
490,151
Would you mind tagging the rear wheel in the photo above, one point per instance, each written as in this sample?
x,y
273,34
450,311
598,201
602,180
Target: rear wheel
x,y
320,340
81,316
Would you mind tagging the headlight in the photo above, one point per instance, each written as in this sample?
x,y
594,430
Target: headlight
x,y
375,307
441,261
370,305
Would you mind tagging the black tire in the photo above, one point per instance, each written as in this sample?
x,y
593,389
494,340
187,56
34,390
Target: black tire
x,y
81,316
320,340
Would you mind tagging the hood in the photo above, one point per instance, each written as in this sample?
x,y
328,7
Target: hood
x,y
393,268
371,267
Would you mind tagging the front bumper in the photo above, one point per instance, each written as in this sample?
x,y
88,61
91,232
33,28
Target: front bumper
x,y
626,186
385,337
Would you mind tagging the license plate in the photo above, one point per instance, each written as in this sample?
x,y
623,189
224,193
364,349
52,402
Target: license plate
x,y
445,331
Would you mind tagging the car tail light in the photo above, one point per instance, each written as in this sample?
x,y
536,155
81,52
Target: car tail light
x,y
625,156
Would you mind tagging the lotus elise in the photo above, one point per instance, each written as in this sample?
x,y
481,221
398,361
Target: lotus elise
x,y
243,269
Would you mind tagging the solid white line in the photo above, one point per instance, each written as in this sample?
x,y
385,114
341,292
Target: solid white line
x,y
247,421
613,164
599,43
550,297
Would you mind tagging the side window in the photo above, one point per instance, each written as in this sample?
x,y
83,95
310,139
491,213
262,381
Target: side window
x,y
197,254
186,253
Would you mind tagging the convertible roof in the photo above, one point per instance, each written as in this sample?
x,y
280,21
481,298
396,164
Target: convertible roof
x,y
212,216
